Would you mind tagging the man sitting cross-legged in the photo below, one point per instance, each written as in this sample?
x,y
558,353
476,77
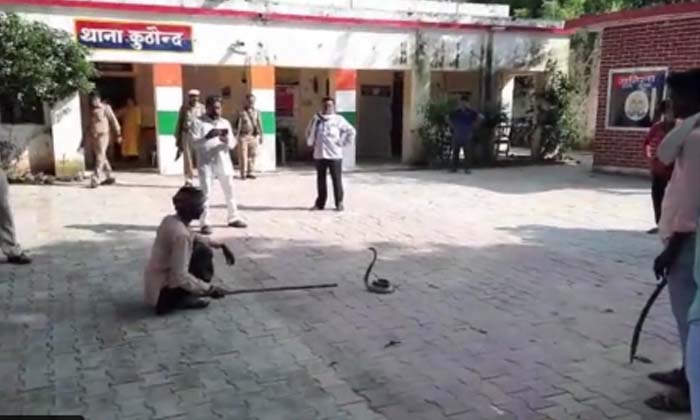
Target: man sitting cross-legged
x,y
179,271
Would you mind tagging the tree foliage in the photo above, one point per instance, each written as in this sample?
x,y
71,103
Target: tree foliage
x,y
39,63
568,9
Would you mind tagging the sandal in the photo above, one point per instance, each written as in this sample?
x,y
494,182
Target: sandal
x,y
672,402
675,378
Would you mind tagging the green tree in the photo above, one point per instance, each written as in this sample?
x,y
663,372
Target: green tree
x,y
39,64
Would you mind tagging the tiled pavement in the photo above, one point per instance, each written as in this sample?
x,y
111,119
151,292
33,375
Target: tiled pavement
x,y
518,292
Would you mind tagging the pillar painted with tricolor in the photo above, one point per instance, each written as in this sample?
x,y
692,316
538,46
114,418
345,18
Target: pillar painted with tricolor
x,y
345,87
167,82
262,86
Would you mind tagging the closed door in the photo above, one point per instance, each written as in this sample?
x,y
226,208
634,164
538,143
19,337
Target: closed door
x,y
374,125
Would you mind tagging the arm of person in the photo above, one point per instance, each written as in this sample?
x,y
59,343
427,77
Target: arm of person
x,y
231,139
653,132
310,131
260,127
205,136
671,146
665,260
347,132
114,122
179,268
179,128
239,125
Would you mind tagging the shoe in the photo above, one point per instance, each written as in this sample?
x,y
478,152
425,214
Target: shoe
x,y
192,302
93,183
239,224
653,231
251,176
340,208
206,230
468,171
109,181
21,259
675,378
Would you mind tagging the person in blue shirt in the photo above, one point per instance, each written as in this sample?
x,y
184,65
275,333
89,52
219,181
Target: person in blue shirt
x,y
463,121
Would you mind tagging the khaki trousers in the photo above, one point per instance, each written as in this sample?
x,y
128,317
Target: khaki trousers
x,y
8,243
247,152
100,143
188,160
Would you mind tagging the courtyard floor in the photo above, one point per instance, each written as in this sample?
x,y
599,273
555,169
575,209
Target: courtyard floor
x,y
518,292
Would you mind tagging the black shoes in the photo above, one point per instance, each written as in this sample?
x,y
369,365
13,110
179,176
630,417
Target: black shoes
x,y
251,176
21,259
239,224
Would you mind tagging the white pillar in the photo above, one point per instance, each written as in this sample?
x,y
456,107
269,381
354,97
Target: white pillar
x,y
67,134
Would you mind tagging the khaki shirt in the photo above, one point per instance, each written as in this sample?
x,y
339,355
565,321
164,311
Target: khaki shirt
x,y
186,119
170,260
249,123
102,119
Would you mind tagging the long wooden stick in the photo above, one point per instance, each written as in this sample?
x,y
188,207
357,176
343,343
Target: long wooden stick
x,y
281,289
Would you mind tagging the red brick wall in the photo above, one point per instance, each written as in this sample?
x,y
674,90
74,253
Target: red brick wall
x,y
672,43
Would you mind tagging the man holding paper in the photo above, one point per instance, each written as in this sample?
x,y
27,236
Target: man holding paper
x,y
213,140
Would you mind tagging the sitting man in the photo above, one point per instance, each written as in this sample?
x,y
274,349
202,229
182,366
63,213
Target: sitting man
x,y
179,271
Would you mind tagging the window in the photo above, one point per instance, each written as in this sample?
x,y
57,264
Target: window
x,y
633,95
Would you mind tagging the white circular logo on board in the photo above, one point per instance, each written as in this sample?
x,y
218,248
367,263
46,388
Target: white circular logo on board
x,y
637,105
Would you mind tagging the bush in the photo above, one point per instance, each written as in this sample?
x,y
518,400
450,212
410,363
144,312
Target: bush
x,y
39,64
559,116
435,132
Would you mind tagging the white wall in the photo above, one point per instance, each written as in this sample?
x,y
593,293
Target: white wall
x,y
35,140
67,135
524,51
318,46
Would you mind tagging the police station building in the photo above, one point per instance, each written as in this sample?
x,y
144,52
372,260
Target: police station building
x,y
380,60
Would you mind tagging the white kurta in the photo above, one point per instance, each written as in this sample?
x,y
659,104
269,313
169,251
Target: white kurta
x,y
170,260
214,160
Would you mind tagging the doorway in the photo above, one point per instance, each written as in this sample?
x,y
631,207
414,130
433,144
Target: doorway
x,y
397,116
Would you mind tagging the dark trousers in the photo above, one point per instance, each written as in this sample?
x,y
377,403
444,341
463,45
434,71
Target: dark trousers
x,y
467,155
658,188
201,266
336,169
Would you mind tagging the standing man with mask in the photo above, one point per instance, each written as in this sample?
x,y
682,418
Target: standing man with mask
x,y
102,122
189,113
328,133
249,135
213,140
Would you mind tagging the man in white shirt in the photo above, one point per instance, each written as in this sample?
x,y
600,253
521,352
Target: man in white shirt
x,y
213,140
328,133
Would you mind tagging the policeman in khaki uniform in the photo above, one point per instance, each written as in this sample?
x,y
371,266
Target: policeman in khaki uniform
x,y
101,123
249,135
189,113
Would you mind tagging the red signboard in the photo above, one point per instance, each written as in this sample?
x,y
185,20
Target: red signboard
x,y
134,36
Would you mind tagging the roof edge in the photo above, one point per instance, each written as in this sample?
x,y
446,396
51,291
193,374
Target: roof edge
x,y
271,16
631,16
